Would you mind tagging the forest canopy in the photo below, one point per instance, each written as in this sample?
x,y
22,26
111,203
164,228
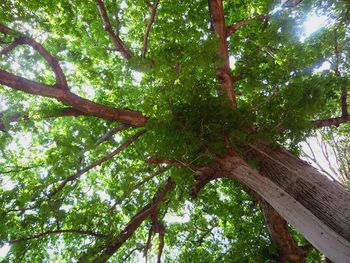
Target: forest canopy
x,y
120,121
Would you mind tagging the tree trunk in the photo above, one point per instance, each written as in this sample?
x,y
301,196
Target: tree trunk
x,y
328,201
277,226
279,232
288,201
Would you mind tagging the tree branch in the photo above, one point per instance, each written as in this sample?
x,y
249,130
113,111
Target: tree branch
x,y
223,70
136,186
170,162
233,28
61,81
148,243
9,48
78,103
119,44
57,232
64,112
149,26
200,183
110,133
133,224
279,232
344,92
331,122
97,163
18,169
159,228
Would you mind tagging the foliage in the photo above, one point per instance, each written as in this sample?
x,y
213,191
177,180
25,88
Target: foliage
x,y
175,86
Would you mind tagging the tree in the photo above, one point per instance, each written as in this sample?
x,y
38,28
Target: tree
x,y
119,113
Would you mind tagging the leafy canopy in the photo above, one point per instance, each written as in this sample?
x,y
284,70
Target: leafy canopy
x,y
176,87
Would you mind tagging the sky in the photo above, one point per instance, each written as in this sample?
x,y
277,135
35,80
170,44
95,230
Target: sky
x,y
311,25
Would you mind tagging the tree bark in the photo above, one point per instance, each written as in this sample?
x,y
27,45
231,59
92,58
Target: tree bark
x,y
279,232
277,226
324,238
223,71
78,103
328,201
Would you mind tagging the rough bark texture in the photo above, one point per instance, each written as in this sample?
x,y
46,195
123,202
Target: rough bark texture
x,y
327,200
319,234
279,232
289,251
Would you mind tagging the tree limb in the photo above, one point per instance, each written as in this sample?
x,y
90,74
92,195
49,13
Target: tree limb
x,y
97,163
149,26
170,162
279,232
57,232
233,28
61,81
136,186
119,44
55,113
331,121
110,133
223,70
18,169
78,103
133,224
148,243
9,48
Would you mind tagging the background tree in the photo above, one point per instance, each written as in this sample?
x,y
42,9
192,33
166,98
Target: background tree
x,y
117,114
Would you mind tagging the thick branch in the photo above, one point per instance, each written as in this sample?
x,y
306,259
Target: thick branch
x,y
233,28
57,232
332,121
97,163
223,70
65,96
161,244
149,26
148,243
134,223
61,81
119,44
279,232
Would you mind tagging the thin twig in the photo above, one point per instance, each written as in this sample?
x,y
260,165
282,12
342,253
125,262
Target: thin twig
x,y
55,232
97,163
110,133
137,186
